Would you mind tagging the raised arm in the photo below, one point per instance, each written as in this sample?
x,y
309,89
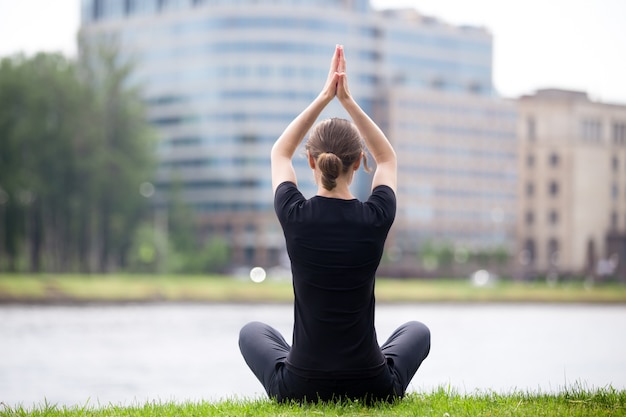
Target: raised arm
x,y
285,146
379,146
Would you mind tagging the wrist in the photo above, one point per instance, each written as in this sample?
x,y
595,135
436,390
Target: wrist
x,y
324,98
348,103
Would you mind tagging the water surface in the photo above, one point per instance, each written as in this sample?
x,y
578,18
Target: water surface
x,y
127,354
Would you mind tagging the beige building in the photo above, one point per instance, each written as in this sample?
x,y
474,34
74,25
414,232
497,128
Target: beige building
x,y
457,162
572,187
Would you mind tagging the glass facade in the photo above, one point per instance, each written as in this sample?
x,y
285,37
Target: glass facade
x,y
459,151
433,58
223,78
99,10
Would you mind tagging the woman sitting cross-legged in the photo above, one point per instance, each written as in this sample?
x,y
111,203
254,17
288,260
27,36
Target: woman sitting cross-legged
x,y
335,243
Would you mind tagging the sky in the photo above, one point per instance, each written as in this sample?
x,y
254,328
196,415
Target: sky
x,y
571,44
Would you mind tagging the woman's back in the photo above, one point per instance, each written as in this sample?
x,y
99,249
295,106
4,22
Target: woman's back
x,y
335,247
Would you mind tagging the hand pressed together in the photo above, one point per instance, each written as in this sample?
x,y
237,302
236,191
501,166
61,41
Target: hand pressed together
x,y
336,86
337,81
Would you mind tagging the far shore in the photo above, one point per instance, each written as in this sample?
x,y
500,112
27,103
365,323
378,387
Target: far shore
x,y
124,288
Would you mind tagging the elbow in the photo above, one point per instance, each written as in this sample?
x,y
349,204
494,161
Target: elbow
x,y
388,157
276,152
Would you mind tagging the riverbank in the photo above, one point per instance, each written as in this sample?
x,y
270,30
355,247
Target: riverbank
x,y
604,402
118,288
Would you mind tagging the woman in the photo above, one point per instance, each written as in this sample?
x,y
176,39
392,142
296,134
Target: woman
x,y
335,243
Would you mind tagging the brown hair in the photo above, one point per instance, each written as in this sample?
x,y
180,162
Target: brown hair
x,y
336,145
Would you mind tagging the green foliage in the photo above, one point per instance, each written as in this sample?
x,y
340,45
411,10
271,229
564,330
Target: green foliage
x,y
181,223
436,256
442,402
213,256
74,147
208,287
443,257
498,256
148,250
171,241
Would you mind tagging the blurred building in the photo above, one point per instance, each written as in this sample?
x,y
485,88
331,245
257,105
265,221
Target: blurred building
x,y
454,136
572,186
457,157
223,78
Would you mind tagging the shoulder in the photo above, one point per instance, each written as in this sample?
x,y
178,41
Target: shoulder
x,y
383,202
285,189
382,193
285,196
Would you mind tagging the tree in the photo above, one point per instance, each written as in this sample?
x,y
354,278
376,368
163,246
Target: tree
x,y
126,149
36,94
74,147
187,251
436,256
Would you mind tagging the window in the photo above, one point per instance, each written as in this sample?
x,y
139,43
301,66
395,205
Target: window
x,y
530,160
531,128
529,251
249,254
553,217
530,189
530,218
554,160
619,133
97,9
553,188
438,83
591,130
615,163
273,255
475,87
144,6
113,8
248,138
553,251
614,221
370,32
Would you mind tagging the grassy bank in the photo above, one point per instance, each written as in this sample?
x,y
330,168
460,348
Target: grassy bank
x,y
22,288
605,402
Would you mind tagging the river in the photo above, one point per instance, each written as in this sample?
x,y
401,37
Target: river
x,y
128,354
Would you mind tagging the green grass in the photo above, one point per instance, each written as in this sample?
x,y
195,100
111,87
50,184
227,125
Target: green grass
x,y
148,288
440,403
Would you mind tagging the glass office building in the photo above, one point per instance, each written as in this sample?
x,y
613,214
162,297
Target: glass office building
x,y
223,78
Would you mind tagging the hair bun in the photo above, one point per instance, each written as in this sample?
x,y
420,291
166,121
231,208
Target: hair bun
x,y
330,166
344,139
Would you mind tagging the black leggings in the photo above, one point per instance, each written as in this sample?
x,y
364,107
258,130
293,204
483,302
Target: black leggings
x,y
264,350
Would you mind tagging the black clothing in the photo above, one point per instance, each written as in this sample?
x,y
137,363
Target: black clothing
x,y
265,350
335,247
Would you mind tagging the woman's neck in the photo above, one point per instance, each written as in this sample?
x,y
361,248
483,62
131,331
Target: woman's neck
x,y
341,191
